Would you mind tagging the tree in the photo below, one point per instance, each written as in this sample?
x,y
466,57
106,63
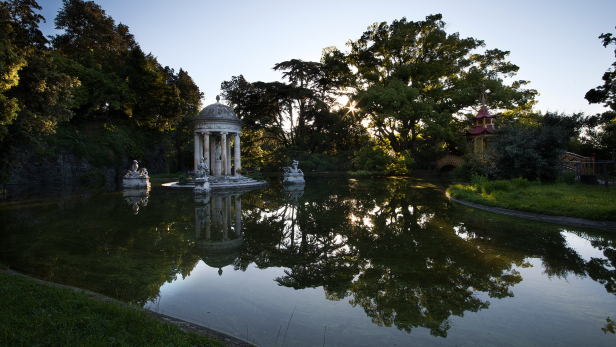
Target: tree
x,y
412,77
87,28
534,151
34,94
296,117
606,95
120,81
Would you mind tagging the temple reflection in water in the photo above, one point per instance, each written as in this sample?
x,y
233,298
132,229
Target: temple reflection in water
x,y
218,228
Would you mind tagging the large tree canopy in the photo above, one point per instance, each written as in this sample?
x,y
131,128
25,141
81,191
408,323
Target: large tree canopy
x,y
119,81
94,70
87,28
34,94
297,113
606,95
411,77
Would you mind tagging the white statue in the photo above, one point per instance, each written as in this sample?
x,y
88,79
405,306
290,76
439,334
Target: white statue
x,y
217,153
292,174
292,169
134,171
295,169
202,169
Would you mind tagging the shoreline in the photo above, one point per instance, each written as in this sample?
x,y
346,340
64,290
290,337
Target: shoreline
x,y
537,216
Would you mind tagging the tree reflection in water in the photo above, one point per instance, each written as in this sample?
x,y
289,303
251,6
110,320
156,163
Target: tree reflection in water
x,y
397,248
400,251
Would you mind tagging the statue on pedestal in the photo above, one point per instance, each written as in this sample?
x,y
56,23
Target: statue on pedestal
x,y
202,169
136,178
292,174
134,171
202,181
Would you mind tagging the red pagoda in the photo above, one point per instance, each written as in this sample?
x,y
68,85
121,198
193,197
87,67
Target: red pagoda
x,y
482,129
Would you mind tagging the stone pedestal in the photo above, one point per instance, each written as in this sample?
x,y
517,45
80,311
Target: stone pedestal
x,y
135,182
217,168
293,192
202,186
135,197
293,178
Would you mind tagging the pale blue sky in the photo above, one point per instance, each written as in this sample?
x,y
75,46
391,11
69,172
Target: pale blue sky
x,y
555,43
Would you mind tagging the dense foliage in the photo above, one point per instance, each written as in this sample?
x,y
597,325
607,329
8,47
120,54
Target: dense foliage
x,y
405,81
399,98
34,94
534,151
606,95
94,72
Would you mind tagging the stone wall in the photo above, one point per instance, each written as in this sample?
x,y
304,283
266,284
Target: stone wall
x,y
67,169
64,169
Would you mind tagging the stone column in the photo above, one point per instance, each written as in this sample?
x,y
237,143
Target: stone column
x,y
238,161
228,208
197,150
238,216
225,154
229,155
207,223
197,224
225,213
212,149
206,150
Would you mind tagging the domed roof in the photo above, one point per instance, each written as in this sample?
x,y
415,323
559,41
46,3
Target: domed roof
x,y
217,112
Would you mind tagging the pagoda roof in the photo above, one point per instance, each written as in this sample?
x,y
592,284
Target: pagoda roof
x,y
483,113
478,130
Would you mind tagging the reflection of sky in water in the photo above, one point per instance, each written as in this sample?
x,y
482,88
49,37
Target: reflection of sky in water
x,y
543,309
399,251
239,300
583,246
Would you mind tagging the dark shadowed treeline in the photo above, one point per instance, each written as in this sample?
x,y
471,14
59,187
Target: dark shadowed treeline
x,y
91,87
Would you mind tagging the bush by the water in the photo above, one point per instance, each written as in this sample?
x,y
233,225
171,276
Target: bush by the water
x,y
182,180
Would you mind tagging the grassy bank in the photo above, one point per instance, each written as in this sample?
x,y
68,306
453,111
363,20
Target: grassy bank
x,y
559,199
33,314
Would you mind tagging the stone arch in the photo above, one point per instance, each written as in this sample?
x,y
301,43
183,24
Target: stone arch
x,y
449,160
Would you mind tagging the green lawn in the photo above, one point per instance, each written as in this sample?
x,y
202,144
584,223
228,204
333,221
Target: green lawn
x,y
33,314
572,200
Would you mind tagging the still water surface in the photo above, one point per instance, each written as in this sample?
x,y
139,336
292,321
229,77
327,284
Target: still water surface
x,y
337,262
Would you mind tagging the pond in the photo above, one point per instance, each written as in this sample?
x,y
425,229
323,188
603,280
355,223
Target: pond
x,y
337,262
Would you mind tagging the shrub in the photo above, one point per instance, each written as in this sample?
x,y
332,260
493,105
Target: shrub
x,y
569,177
502,185
182,180
372,157
529,151
482,163
256,175
376,157
520,183
478,180
400,164
462,173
